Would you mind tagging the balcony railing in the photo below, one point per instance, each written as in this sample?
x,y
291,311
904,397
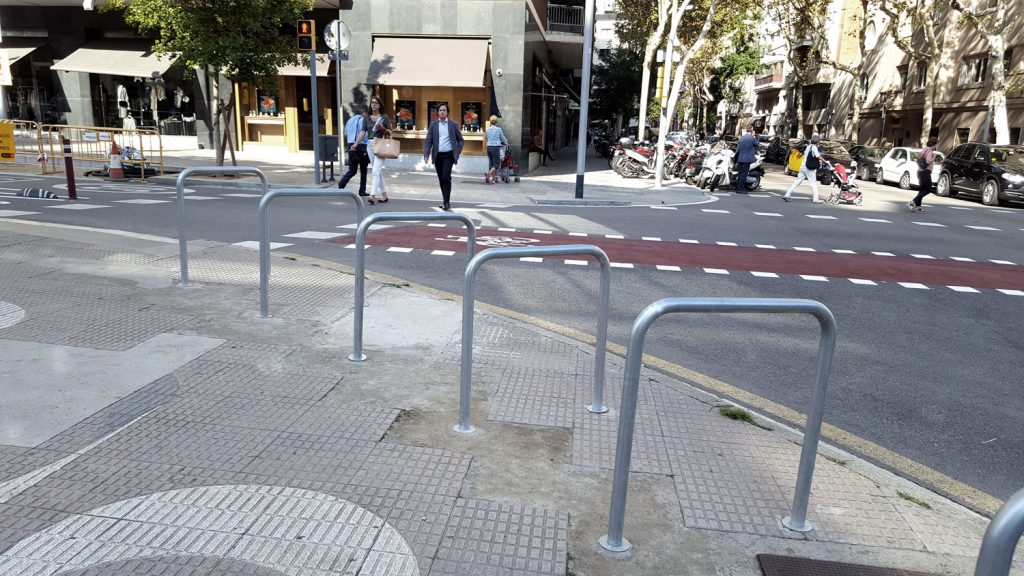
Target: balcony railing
x,y
766,80
567,19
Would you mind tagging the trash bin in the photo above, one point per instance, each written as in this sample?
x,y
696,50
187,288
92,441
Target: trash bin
x,y
328,147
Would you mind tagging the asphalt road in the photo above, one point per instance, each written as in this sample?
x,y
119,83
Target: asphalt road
x,y
925,370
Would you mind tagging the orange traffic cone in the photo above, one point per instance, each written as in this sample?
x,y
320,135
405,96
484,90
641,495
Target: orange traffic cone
x,y
116,171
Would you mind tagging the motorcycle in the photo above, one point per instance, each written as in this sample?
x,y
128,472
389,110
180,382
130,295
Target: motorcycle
x,y
719,169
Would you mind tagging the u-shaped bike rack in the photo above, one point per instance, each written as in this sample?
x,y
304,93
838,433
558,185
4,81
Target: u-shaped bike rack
x,y
797,521
182,242
265,232
466,381
364,225
1001,538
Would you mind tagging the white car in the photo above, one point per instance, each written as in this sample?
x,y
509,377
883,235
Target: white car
x,y
900,165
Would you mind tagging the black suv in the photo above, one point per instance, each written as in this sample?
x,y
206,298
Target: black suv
x,y
993,171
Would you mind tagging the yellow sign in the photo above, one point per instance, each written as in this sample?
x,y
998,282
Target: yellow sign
x,y
6,141
5,68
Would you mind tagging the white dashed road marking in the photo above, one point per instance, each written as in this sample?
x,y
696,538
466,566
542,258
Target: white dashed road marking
x,y
78,206
765,274
142,201
863,282
932,224
443,253
879,220
1012,292
814,278
669,268
255,245
313,235
913,285
716,271
967,289
15,213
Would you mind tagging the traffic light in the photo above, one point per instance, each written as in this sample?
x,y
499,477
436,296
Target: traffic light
x,y
306,31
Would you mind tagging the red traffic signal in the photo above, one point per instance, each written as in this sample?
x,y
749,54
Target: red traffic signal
x,y
306,31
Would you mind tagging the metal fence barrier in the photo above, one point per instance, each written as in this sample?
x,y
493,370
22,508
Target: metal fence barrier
x,y
182,241
92,144
1001,538
265,232
364,226
466,382
613,541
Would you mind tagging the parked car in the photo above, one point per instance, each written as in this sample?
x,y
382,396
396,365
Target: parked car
x,y
830,150
778,149
867,159
993,172
900,165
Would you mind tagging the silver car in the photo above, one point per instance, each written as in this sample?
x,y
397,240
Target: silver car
x,y
900,165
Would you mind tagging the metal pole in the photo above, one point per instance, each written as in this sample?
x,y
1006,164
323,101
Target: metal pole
x,y
69,170
614,540
264,231
337,84
466,377
364,226
1001,538
316,118
581,138
182,242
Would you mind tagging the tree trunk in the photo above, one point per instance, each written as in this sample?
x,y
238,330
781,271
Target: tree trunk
x,y
217,107
997,46
645,77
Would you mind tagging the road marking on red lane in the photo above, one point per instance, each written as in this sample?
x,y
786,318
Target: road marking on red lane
x,y
799,261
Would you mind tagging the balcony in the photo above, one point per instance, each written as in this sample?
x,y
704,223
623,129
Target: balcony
x,y
768,82
565,19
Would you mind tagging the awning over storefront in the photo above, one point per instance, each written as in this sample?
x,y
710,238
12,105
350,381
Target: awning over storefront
x,y
323,67
757,123
19,48
452,62
117,58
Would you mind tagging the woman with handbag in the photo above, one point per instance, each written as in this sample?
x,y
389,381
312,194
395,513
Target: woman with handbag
x,y
377,125
808,170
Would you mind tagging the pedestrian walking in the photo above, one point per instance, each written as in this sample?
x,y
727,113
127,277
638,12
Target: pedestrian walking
x,y
746,154
495,140
443,147
808,170
358,159
925,163
377,125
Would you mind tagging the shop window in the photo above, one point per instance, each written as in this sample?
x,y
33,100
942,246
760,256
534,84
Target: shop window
x,y
974,71
963,135
921,76
1014,136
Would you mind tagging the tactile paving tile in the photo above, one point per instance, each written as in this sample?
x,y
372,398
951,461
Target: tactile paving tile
x,y
510,406
100,327
17,522
184,565
239,411
427,470
940,534
485,537
310,301
254,353
355,421
312,457
595,438
217,379
421,519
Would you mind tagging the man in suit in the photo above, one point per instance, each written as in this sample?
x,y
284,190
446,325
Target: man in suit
x,y
443,147
746,154
358,159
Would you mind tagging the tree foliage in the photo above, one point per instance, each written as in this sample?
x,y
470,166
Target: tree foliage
x,y
616,78
244,39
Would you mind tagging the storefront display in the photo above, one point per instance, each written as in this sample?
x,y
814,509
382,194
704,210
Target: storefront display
x,y
405,114
470,116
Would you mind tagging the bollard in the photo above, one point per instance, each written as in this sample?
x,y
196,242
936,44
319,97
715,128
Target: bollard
x,y
1001,537
69,170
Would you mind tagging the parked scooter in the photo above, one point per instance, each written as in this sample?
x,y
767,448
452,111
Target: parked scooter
x,y
714,172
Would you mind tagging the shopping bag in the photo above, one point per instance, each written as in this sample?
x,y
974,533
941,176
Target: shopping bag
x,y
386,147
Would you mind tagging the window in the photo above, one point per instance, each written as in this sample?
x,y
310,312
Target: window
x,y
963,135
921,77
863,87
974,71
870,36
1008,61
903,71
1014,136
980,154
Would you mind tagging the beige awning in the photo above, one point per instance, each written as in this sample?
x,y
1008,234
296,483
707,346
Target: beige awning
x,y
117,58
323,66
454,62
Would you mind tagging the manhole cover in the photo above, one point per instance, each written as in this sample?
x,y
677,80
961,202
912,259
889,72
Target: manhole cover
x,y
10,314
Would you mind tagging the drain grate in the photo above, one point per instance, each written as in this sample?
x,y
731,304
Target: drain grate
x,y
772,565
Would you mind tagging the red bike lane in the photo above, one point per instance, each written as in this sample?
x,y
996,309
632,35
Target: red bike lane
x,y
732,258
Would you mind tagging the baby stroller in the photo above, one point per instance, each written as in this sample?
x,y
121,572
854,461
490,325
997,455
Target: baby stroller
x,y
508,168
844,189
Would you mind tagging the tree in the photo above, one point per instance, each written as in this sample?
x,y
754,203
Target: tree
x,y
643,22
924,16
989,18
615,79
245,40
740,60
799,24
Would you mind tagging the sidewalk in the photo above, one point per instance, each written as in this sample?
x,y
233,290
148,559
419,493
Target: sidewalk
x,y
154,429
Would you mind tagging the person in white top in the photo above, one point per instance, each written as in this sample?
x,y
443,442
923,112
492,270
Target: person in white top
x,y
809,173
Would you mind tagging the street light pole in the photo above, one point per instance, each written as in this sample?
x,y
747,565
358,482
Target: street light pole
x,y
581,139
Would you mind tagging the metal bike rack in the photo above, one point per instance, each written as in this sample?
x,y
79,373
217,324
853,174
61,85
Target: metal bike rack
x,y
466,380
364,225
1001,538
265,232
182,242
613,541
